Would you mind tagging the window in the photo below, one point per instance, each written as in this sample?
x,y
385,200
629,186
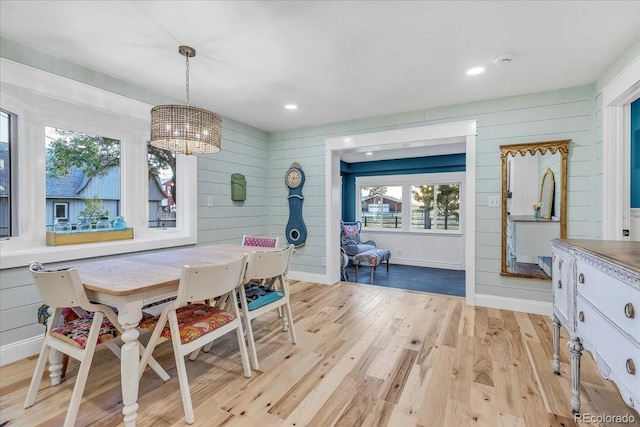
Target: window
x,y
432,201
121,126
60,210
435,207
84,171
162,188
5,174
381,206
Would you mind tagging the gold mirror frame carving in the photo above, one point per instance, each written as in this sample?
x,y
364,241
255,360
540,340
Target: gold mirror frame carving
x,y
559,146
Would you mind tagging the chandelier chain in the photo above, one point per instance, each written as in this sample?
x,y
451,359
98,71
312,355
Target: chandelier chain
x,y
187,79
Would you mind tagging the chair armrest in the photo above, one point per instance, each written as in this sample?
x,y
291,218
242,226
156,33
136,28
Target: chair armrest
x,y
351,248
369,242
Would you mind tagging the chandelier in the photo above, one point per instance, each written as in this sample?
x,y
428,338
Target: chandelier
x,y
183,128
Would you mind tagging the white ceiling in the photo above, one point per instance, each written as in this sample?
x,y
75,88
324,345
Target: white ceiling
x,y
337,60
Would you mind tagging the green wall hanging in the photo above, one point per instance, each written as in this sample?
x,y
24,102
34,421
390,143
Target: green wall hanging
x,y
238,187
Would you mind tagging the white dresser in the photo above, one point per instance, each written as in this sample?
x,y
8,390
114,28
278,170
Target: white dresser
x,y
596,297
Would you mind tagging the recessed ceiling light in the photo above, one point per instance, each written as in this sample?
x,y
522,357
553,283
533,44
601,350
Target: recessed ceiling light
x,y
475,71
291,106
369,153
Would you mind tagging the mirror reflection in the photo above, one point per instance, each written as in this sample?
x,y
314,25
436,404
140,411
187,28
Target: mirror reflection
x,y
533,206
545,204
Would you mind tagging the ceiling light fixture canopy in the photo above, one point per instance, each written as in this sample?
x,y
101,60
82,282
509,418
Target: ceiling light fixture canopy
x,y
183,128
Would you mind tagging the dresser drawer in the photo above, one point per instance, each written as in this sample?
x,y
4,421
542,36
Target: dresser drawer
x,y
620,355
617,300
561,284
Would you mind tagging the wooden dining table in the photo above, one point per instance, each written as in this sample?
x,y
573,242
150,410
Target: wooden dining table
x,y
132,282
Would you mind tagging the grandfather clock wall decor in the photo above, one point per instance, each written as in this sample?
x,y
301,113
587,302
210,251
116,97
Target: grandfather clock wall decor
x,y
296,231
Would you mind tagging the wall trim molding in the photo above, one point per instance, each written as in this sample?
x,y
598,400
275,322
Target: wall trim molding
x,y
616,99
20,349
514,304
463,133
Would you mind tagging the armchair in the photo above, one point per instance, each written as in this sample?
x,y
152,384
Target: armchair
x,y
350,239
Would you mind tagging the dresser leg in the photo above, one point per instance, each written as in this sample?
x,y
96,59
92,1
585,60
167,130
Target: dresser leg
x,y
575,348
556,344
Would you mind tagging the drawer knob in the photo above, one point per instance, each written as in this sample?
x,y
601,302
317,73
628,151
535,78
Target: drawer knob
x,y
581,316
631,367
559,284
581,278
629,311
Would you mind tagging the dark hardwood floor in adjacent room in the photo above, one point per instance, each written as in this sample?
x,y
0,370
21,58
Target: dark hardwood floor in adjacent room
x,y
409,277
366,356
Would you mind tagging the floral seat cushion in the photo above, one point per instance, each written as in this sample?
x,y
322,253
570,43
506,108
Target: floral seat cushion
x,y
263,242
76,332
194,321
372,257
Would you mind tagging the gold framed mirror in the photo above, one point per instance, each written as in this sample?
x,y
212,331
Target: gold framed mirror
x,y
534,206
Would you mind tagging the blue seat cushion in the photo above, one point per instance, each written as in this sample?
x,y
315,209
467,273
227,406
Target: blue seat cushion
x,y
358,248
258,296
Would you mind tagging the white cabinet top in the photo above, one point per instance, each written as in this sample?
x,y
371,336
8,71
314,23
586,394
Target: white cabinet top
x,y
625,254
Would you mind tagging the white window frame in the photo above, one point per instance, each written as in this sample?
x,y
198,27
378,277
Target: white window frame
x,y
406,181
55,210
40,99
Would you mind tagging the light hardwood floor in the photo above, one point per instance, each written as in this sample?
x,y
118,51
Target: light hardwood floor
x,y
366,355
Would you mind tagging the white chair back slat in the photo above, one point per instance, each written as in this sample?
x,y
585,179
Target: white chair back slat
x,y
268,264
207,281
60,288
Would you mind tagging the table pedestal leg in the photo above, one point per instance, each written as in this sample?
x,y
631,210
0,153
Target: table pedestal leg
x,y
130,359
55,366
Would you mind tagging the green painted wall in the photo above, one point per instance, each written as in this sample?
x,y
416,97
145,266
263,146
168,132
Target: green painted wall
x,y
560,114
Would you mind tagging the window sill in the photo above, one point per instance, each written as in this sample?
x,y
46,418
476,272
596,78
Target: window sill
x,y
453,233
16,254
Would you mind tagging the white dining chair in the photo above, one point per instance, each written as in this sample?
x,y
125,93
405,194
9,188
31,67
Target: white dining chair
x,y
192,324
256,300
97,324
262,242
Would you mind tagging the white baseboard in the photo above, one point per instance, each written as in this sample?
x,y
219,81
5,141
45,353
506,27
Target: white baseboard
x,y
309,277
19,350
424,263
514,304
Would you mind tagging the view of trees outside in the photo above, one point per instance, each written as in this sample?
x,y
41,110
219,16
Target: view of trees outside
x,y
5,176
98,159
433,207
162,168
83,176
437,207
